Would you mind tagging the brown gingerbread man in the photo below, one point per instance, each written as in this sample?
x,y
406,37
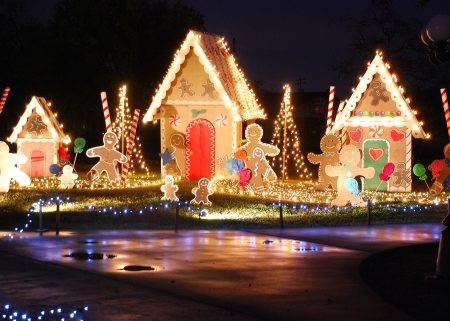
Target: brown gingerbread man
x,y
202,192
253,134
330,145
349,157
109,157
177,167
377,93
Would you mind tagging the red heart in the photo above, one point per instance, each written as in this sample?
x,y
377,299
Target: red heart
x,y
397,135
67,156
356,135
376,153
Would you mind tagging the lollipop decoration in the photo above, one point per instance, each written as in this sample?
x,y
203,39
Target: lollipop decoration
x,y
79,143
54,169
244,176
436,167
385,175
419,171
351,185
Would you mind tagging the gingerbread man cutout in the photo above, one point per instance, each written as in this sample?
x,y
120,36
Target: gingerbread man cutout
x,y
349,157
209,89
401,175
202,192
438,184
377,93
109,157
9,170
37,126
67,177
253,135
330,145
177,167
185,87
169,189
259,168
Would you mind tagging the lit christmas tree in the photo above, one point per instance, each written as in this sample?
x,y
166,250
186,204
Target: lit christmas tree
x,y
285,137
121,126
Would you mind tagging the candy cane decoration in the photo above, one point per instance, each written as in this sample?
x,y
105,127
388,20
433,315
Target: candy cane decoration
x,y
130,143
106,112
3,100
330,110
339,111
408,157
446,110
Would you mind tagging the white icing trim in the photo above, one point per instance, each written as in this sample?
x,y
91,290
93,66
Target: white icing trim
x,y
408,119
189,102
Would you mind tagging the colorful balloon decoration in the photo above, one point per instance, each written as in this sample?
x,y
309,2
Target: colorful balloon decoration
x,y
244,176
237,165
229,166
63,153
54,169
351,185
388,169
241,154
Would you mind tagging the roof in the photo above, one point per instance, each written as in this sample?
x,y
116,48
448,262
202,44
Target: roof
x,y
223,72
407,116
49,119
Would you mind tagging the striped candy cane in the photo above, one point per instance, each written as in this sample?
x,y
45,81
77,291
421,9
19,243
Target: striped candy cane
x,y
339,111
130,143
446,110
408,157
3,100
330,110
106,112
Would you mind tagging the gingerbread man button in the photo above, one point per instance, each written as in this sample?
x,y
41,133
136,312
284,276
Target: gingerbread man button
x,y
330,145
202,192
349,157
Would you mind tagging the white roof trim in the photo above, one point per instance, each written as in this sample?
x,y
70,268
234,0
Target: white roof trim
x,y
180,56
407,119
36,104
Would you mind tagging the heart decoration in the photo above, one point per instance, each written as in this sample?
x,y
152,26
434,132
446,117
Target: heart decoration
x,y
397,135
356,135
376,153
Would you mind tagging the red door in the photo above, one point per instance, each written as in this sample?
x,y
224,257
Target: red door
x,y
37,163
200,149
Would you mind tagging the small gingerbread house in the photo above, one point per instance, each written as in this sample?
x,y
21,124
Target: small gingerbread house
x,y
38,136
202,103
380,122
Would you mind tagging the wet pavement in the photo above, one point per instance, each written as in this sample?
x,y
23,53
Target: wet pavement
x,y
267,274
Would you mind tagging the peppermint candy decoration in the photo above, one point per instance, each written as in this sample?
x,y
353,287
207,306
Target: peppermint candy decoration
x,y
376,131
222,120
175,120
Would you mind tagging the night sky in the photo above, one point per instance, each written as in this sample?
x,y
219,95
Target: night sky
x,y
280,41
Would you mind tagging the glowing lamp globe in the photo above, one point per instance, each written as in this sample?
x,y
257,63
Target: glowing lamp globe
x,y
438,28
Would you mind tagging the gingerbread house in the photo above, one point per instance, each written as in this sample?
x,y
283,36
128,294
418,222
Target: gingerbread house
x,y
202,104
380,122
38,136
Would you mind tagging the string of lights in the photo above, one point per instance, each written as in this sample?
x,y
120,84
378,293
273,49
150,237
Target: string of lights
x,y
285,137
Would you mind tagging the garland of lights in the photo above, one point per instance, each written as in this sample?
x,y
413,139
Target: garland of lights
x,y
285,137
121,127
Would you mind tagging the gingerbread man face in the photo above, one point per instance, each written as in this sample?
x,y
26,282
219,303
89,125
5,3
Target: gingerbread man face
x,y
447,151
330,143
67,169
350,155
253,132
177,141
110,139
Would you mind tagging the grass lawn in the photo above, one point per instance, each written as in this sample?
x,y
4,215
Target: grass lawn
x,y
142,207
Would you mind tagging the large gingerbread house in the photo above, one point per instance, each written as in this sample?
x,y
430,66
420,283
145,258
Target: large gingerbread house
x,y
380,122
38,136
202,103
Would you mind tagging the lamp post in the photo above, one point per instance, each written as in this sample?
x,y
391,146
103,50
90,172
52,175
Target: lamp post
x,y
436,35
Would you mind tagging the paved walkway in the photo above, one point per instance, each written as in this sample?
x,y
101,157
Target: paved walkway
x,y
270,274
